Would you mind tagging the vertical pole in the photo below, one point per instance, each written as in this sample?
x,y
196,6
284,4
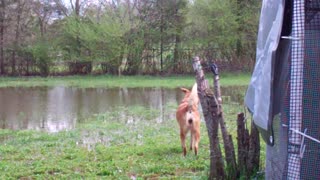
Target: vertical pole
x,y
227,140
296,89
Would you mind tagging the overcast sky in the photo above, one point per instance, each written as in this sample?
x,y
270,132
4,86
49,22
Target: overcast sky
x,y
67,2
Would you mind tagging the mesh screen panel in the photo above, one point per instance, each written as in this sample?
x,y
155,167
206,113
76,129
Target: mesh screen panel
x,y
311,91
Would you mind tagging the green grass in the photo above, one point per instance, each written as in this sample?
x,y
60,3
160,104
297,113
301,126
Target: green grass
x,y
126,142
105,146
122,81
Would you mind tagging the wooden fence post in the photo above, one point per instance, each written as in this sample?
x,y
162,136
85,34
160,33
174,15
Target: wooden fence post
x,y
227,138
243,143
210,108
254,150
248,144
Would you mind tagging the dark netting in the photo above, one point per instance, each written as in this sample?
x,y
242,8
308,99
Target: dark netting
x,y
311,91
296,103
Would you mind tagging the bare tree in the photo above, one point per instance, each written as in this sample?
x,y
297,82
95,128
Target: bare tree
x,y
19,9
61,7
45,12
2,27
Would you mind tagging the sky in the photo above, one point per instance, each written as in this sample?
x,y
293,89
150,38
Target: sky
x,y
67,2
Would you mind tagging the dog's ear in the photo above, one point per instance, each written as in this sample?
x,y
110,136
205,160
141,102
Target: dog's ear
x,y
185,90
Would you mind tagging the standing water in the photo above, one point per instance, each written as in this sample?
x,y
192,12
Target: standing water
x,y
53,109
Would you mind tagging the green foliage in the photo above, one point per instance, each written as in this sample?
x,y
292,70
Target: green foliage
x,y
85,39
135,47
122,35
248,18
213,25
40,55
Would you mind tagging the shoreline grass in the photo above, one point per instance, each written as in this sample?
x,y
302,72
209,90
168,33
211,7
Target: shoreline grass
x,y
121,144
105,146
109,81
111,145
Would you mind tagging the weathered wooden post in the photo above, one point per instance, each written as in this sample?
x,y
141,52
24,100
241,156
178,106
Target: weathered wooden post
x,y
248,144
254,150
248,147
243,143
210,108
227,138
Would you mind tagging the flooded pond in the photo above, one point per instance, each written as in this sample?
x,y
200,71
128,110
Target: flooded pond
x,y
54,109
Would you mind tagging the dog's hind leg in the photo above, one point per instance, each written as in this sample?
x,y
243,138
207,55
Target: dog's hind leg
x,y
196,142
183,141
191,141
196,139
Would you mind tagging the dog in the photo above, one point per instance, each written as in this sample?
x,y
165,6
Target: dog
x,y
188,118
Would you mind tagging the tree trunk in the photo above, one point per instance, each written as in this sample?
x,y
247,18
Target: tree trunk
x,y
41,24
161,36
17,37
77,12
161,44
176,53
210,110
77,8
2,16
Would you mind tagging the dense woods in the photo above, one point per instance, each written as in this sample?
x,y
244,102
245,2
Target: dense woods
x,y
58,37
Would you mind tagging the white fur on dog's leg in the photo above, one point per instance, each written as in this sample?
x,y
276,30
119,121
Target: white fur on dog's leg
x,y
196,147
183,143
191,141
196,142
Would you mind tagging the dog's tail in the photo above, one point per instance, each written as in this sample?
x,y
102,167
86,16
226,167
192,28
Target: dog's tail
x,y
194,90
193,99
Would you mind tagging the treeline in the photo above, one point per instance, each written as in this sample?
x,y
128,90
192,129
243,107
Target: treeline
x,y
47,37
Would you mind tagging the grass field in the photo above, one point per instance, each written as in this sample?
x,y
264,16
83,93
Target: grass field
x,y
126,143
106,146
122,81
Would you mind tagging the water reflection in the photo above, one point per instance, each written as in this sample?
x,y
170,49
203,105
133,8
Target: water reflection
x,y
54,109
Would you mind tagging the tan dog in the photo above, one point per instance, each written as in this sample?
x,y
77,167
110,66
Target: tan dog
x,y
188,118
